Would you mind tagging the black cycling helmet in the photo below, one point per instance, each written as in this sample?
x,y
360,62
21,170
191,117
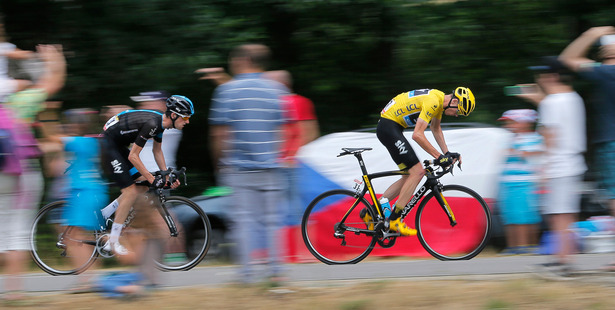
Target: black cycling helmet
x,y
180,105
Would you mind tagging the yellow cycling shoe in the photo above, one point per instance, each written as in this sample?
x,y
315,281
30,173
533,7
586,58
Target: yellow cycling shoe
x,y
401,227
367,219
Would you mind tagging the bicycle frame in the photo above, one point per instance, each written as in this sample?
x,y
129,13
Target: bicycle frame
x,y
161,207
164,212
432,183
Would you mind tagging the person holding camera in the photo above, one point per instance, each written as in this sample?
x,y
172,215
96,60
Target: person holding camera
x,y
602,107
562,125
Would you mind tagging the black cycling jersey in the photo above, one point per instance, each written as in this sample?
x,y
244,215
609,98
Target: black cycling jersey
x,y
134,126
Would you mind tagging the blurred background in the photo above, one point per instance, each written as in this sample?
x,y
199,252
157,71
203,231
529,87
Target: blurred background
x,y
349,56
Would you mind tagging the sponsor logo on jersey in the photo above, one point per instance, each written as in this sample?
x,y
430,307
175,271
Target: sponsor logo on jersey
x,y
392,102
112,121
123,132
117,166
153,131
401,146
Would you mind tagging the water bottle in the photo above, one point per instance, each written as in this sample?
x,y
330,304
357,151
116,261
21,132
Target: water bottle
x,y
386,207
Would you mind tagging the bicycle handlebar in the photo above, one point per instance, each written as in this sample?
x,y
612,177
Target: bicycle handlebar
x,y
429,164
172,174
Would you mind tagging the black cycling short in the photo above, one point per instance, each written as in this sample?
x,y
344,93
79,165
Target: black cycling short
x,y
116,163
391,135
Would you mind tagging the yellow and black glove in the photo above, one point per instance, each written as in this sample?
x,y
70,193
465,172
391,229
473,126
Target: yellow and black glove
x,y
445,160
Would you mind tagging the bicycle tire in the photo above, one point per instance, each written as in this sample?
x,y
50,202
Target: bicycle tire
x,y
44,238
318,228
462,241
189,247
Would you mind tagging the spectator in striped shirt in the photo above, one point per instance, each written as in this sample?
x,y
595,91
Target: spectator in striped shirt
x,y
245,135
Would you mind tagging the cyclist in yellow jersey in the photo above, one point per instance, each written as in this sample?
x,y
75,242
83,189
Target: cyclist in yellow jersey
x,y
417,108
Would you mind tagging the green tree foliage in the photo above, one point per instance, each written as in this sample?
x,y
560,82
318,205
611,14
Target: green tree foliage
x,y
349,56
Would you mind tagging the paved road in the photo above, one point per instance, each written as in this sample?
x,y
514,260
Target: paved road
x,y
314,274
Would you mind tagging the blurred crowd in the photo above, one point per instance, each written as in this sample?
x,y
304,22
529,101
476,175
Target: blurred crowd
x,y
257,125
45,146
542,179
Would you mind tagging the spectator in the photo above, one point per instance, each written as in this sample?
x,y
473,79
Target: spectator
x,y
246,119
20,110
300,129
562,124
87,190
8,51
518,200
602,108
155,100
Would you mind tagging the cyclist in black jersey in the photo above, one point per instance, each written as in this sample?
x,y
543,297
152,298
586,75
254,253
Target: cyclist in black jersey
x,y
136,127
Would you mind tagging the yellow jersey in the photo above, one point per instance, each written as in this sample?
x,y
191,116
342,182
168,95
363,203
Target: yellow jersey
x,y
406,108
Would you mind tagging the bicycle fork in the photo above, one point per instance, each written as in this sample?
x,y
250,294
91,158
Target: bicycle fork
x,y
167,217
444,204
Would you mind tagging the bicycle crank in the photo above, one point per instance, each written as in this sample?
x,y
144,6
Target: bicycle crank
x,y
100,244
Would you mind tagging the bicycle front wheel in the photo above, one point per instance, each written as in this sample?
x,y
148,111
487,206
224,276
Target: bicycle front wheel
x,y
59,249
466,236
188,248
329,236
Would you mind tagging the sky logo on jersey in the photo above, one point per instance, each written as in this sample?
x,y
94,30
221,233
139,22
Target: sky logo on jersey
x,y
117,167
401,146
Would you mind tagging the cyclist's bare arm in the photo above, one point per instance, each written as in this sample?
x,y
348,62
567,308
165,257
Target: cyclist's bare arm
x,y
160,161
138,164
419,136
436,130
159,155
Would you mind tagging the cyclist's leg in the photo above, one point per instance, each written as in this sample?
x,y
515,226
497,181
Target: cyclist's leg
x,y
395,188
407,190
392,137
124,175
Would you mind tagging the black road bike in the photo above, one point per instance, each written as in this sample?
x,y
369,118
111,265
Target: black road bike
x,y
453,222
186,233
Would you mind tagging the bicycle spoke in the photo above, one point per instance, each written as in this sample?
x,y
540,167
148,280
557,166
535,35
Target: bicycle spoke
x,y
58,249
188,248
326,239
464,238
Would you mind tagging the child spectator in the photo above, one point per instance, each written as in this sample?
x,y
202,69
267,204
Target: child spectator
x,y
518,199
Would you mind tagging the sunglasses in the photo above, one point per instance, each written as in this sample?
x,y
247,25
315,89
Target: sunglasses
x,y
185,118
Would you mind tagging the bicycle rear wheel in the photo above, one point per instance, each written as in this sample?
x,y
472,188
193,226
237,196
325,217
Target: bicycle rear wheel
x,y
188,248
460,241
325,236
54,246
